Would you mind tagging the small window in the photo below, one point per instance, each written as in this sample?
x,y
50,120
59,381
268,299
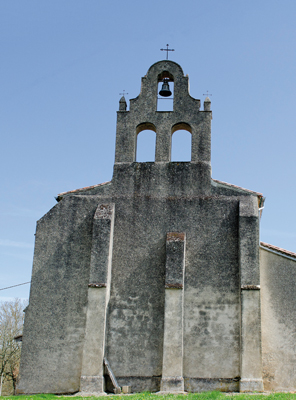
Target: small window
x,y
146,141
181,146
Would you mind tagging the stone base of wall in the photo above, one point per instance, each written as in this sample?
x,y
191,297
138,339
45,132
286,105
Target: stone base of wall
x,y
154,384
207,384
138,383
91,385
172,384
251,385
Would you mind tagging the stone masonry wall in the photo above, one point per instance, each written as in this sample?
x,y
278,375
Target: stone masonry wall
x,y
278,277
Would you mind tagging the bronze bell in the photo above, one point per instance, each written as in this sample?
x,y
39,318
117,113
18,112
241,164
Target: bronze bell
x,y
165,90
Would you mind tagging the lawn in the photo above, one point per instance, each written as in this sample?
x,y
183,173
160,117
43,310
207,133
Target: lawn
x,y
153,396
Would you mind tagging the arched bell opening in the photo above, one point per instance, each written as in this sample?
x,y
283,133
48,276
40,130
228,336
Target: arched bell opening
x,y
165,99
181,143
146,142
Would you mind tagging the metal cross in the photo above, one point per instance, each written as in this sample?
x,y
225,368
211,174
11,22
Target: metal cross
x,y
167,50
207,94
123,94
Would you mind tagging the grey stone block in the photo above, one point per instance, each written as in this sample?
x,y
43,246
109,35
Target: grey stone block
x,y
172,384
126,389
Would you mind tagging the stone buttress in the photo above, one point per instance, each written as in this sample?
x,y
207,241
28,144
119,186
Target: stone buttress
x,y
92,379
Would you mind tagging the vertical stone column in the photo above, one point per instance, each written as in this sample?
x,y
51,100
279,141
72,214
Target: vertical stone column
x,y
172,368
125,149
251,359
201,139
92,380
163,143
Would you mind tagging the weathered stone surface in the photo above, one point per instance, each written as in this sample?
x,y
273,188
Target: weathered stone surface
x,y
173,384
91,385
251,355
210,384
140,383
175,260
249,241
93,349
102,243
251,358
278,278
55,319
172,368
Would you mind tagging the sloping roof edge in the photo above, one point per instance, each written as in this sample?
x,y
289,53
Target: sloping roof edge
x,y
60,195
278,250
238,187
260,196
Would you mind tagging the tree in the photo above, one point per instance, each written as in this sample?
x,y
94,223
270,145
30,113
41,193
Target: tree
x,y
11,325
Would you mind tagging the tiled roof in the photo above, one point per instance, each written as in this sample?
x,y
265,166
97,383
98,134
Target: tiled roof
x,y
278,249
82,189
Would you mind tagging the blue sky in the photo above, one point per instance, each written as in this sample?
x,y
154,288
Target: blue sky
x,y
64,63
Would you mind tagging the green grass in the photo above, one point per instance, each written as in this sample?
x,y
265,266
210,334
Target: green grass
x,y
153,396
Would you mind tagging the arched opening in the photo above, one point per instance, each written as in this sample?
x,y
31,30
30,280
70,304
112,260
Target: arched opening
x,y
181,142
165,103
146,141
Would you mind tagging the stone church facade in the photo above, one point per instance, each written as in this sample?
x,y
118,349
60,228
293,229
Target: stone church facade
x,y
159,271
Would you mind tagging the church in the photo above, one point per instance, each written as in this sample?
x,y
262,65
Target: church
x,y
157,280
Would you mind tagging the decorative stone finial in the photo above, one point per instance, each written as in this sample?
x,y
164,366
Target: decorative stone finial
x,y
207,104
122,104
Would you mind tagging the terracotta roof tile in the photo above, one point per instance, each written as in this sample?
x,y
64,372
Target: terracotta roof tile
x,y
82,189
278,249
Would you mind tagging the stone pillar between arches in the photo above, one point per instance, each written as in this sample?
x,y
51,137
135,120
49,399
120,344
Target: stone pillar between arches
x,y
163,144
